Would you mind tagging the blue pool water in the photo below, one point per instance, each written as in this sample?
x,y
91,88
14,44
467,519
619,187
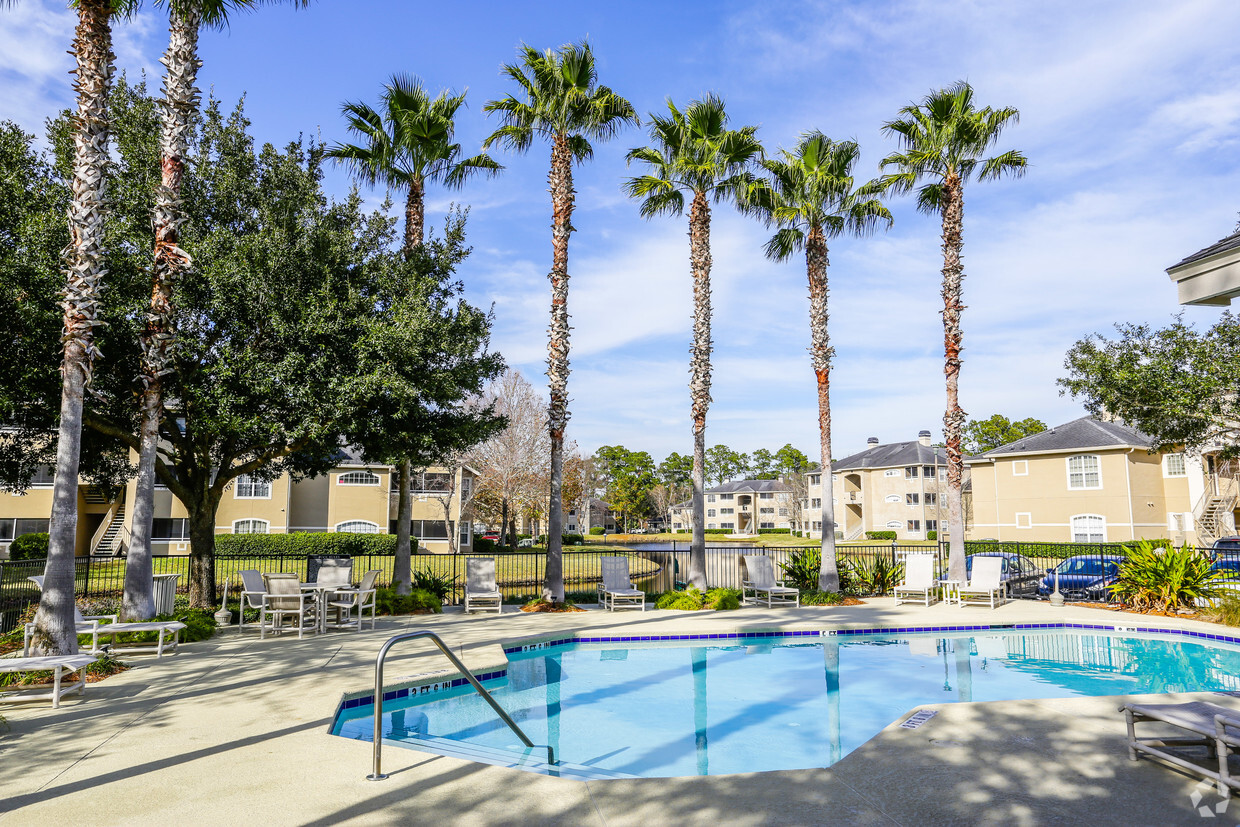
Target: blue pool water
x,y
752,704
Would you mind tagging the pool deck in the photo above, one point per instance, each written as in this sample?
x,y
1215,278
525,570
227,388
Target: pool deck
x,y
235,730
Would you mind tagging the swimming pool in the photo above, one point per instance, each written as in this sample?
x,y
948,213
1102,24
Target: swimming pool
x,y
747,704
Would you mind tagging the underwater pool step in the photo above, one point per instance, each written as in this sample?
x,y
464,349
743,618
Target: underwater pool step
x,y
524,759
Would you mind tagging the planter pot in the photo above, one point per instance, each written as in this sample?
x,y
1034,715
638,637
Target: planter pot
x,y
223,617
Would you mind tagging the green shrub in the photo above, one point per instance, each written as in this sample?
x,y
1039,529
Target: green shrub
x,y
482,545
1159,577
199,625
877,575
300,544
774,531
388,602
690,600
596,530
932,535
722,600
29,547
565,540
440,585
719,530
880,535
1226,610
817,598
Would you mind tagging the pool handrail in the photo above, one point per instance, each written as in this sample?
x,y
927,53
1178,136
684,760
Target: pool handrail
x,y
378,775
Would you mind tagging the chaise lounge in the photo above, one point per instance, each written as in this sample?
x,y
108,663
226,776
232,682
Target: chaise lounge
x,y
60,666
918,582
92,625
758,576
616,589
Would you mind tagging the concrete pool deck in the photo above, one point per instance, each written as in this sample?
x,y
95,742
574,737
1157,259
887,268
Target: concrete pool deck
x,y
235,730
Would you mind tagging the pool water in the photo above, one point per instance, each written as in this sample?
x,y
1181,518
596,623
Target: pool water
x,y
756,704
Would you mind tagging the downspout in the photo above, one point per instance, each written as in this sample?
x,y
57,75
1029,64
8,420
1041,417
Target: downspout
x,y
1132,523
994,473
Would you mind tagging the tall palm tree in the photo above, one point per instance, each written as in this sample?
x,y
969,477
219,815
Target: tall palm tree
x,y
84,272
405,144
180,107
561,101
811,197
942,141
695,153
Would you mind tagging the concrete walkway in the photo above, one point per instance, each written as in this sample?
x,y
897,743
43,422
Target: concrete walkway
x,y
235,730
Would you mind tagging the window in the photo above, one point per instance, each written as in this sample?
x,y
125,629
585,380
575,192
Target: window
x,y
710,498
163,528
816,502
250,527
466,526
727,525
911,499
927,471
914,525
710,512
357,527
766,495
1173,466
727,496
894,524
932,525
1084,472
783,512
727,511
432,481
249,488
467,485
12,528
766,510
711,525
1024,519
932,498
910,473
44,477
815,479
1089,528
424,529
1020,468
817,526
766,525
942,474
358,478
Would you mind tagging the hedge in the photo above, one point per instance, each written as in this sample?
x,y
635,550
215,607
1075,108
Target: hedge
x,y
774,531
29,547
719,530
880,535
597,529
565,539
932,535
299,544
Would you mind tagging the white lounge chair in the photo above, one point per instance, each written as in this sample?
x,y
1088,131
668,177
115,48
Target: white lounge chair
x,y
92,625
617,588
1217,729
985,585
481,590
363,597
285,600
918,580
758,576
59,665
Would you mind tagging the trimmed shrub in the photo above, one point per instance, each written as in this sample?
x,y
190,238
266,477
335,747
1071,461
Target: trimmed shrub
x,y
722,600
880,535
565,540
482,545
932,535
29,547
596,530
719,530
692,600
774,531
300,544
388,602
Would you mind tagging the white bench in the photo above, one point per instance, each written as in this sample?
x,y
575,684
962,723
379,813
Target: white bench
x,y
60,665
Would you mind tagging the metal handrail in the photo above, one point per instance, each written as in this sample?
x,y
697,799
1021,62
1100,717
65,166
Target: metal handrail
x,y
378,775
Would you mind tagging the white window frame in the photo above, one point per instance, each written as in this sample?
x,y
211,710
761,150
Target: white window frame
x,y
723,511
914,526
340,527
912,499
253,484
1166,466
254,522
466,533
710,512
910,472
1084,486
710,498
1073,531
1020,468
359,478
1027,521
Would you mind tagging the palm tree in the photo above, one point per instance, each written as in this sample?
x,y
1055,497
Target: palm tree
x,y
560,101
405,144
180,107
84,271
811,197
942,141
696,153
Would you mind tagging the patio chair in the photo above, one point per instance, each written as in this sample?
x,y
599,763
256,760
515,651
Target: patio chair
x,y
758,576
60,666
252,590
363,597
985,586
616,588
918,580
1217,729
334,573
481,590
284,600
92,625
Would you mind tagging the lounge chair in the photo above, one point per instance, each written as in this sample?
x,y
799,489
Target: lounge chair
x,y
92,625
481,590
59,665
918,580
758,576
363,597
985,586
334,574
616,588
285,600
1217,729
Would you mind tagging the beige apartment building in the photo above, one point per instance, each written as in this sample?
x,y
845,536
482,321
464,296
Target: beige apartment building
x,y
744,507
353,496
1091,480
896,486
1210,276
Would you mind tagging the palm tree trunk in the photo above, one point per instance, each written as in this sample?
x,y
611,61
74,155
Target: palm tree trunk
x,y
820,354
402,566
699,377
561,181
92,46
180,104
954,417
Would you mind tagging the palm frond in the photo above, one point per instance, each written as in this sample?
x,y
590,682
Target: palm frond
x,y
785,242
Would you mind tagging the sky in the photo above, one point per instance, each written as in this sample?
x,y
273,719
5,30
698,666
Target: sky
x,y
1129,116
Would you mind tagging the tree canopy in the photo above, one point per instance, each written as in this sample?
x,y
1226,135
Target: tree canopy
x,y
981,435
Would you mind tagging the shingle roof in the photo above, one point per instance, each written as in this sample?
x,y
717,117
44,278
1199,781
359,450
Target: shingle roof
x,y
891,455
1086,432
1231,242
762,486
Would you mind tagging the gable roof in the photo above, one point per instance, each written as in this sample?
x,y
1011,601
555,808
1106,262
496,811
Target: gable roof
x,y
1086,432
757,486
891,455
1223,245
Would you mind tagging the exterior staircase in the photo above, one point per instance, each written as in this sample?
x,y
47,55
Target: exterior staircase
x,y
105,545
1214,519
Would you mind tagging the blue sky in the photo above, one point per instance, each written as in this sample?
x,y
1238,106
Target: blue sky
x,y
1130,113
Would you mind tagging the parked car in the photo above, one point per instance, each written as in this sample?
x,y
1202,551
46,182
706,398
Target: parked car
x,y
1086,575
1226,546
493,536
1019,576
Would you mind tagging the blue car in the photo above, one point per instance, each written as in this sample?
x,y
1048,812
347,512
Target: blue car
x,y
1020,575
1083,576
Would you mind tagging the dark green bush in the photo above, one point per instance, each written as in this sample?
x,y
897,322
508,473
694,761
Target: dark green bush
x,y
692,600
722,600
565,540
482,545
388,602
719,530
817,598
880,535
29,547
440,585
596,530
932,535
774,531
299,544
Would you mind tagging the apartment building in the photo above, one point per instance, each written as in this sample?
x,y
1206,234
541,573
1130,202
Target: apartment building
x,y
1091,480
744,507
353,496
1210,276
897,486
